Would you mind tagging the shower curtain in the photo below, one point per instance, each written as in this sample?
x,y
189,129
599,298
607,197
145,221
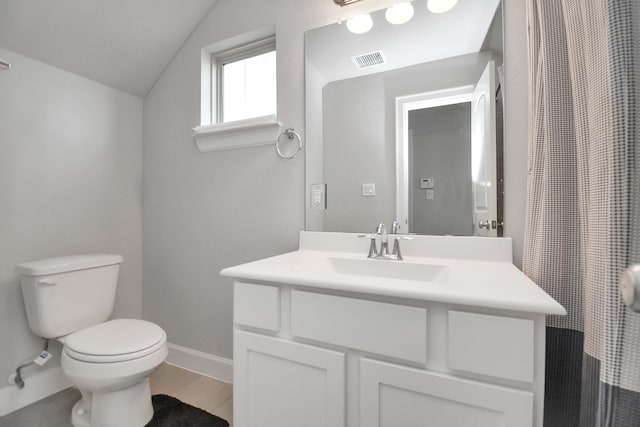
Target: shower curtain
x,y
583,214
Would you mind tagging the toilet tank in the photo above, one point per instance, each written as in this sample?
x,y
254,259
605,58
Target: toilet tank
x,y
66,294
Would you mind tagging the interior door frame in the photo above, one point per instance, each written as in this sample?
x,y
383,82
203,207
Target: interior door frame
x,y
405,104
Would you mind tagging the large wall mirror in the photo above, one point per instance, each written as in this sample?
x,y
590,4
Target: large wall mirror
x,y
417,136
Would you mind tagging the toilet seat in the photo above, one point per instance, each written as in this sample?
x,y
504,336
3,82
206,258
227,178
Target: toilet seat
x,y
115,341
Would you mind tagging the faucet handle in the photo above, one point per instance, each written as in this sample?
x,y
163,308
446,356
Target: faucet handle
x,y
404,237
373,249
395,227
396,246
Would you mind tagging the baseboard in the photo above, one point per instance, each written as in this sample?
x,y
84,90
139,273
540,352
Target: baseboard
x,y
37,387
201,362
45,383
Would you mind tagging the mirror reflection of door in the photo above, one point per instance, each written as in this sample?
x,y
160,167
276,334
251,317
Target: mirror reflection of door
x,y
434,193
483,157
440,188
446,160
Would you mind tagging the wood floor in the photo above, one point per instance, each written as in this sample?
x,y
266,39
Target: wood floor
x,y
197,390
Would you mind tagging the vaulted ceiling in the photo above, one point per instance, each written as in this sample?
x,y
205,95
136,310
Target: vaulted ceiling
x,y
125,44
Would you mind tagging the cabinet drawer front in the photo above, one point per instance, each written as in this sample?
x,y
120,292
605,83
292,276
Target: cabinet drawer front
x,y
257,306
393,396
492,345
386,329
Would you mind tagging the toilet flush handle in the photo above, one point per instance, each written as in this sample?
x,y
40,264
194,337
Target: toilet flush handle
x,y
47,281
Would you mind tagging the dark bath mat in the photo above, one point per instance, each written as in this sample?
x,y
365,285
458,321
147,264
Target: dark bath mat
x,y
170,412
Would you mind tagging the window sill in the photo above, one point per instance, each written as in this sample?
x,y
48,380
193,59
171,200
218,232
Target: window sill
x,y
239,134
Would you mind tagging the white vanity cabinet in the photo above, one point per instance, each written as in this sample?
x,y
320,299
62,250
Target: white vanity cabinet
x,y
312,358
316,345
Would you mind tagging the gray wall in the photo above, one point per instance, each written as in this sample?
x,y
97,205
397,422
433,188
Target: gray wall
x,y
204,212
207,211
356,152
70,183
440,148
515,124
314,145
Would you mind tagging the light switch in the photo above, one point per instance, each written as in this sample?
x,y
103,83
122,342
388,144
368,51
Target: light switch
x,y
430,194
318,196
368,190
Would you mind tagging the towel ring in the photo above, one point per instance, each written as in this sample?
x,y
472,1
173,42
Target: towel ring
x,y
291,134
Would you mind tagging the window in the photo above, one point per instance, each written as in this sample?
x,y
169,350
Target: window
x,y
238,93
245,81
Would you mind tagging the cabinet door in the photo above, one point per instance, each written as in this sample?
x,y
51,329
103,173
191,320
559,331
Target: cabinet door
x,y
280,383
392,396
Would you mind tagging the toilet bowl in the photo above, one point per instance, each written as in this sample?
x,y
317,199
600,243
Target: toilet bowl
x,y
70,299
110,364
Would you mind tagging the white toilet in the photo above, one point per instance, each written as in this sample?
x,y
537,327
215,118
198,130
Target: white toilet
x,y
70,299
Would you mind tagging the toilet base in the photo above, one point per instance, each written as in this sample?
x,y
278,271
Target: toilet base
x,y
129,407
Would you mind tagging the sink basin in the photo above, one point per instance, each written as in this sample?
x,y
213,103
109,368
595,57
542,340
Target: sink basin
x,y
400,270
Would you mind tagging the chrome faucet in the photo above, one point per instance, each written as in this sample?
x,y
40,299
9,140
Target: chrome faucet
x,y
381,230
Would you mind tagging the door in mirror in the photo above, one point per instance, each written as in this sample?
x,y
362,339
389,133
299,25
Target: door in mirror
x,y
483,154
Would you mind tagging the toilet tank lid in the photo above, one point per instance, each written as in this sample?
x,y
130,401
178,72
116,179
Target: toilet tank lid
x,y
66,263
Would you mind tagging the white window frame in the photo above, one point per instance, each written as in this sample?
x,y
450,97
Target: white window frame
x,y
220,59
212,135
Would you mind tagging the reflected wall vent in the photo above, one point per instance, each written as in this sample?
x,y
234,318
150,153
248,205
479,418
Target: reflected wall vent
x,y
370,59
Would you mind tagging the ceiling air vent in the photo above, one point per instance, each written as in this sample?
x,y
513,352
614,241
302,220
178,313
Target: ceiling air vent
x,y
367,60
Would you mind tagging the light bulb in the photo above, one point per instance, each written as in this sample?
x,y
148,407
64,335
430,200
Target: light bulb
x,y
441,6
399,13
360,24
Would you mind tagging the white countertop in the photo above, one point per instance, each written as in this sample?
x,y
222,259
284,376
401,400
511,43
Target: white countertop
x,y
479,271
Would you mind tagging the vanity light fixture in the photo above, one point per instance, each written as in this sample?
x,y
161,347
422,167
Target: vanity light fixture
x,y
440,6
396,14
360,24
399,13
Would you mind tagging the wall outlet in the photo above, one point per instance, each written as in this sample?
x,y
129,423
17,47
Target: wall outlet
x,y
318,196
430,194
